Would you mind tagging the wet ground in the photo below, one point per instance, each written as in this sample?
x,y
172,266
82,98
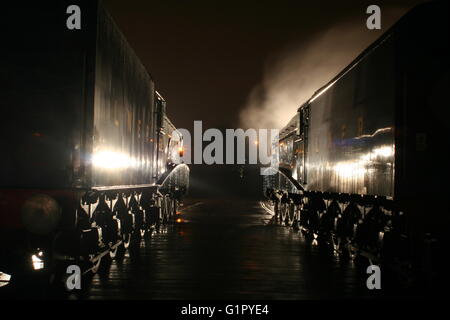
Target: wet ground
x,y
227,249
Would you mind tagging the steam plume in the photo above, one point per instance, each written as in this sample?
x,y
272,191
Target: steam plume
x,y
297,74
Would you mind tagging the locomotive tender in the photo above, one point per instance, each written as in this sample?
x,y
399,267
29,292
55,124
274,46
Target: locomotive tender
x,y
89,157
363,160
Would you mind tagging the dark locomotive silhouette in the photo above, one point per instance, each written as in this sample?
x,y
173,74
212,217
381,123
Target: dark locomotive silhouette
x,y
363,162
89,159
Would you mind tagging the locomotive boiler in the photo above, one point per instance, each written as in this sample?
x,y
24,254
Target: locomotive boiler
x,y
89,157
363,162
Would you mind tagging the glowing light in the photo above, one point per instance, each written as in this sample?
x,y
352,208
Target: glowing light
x,y
113,160
294,174
256,142
179,220
349,169
358,168
4,279
383,151
38,263
133,162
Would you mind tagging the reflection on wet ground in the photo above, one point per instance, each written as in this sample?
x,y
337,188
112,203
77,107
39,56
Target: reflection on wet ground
x,y
222,249
228,250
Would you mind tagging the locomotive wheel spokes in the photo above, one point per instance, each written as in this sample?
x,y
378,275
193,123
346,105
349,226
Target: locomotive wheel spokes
x,y
168,206
285,215
297,218
344,249
148,233
280,213
105,265
169,210
276,210
290,215
174,209
113,252
164,211
295,224
126,240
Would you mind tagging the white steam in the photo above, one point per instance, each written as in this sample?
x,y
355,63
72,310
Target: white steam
x,y
296,75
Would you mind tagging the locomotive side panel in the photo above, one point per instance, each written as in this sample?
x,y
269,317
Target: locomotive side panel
x,y
45,94
123,141
44,89
351,145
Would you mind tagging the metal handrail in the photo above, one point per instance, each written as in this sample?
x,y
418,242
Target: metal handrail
x,y
175,179
277,180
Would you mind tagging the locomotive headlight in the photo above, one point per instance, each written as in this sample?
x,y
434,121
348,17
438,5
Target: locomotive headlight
x,y
4,279
112,160
38,260
41,214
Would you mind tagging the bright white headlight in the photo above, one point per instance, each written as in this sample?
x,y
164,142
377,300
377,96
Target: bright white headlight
x,y
4,279
38,261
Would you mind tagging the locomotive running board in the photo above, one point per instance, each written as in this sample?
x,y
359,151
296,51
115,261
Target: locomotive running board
x,y
126,187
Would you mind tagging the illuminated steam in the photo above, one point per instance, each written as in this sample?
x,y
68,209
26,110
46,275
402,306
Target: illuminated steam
x,y
296,75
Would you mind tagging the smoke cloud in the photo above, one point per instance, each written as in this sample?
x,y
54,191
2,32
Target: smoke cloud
x,y
297,72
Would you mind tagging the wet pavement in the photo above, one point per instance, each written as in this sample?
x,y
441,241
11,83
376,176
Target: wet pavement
x,y
223,249
228,249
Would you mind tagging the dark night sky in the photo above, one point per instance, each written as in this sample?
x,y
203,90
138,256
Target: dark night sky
x,y
207,56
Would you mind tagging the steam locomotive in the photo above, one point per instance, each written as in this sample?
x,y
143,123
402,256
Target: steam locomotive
x,y
89,157
362,162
